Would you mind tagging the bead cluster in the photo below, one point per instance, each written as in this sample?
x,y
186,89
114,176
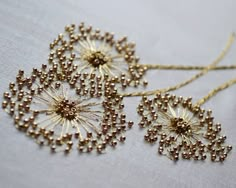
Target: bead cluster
x,y
75,101
183,129
59,106
99,53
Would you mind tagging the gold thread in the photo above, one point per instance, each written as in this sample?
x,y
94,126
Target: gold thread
x,y
186,67
215,91
196,76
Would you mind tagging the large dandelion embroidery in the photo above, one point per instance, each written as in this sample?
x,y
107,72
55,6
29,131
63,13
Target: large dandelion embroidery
x,y
97,52
182,129
56,107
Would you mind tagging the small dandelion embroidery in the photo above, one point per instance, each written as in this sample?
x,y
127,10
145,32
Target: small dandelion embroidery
x,y
182,129
56,107
97,52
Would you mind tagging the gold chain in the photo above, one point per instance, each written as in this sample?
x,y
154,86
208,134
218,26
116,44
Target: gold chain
x,y
215,91
185,67
196,76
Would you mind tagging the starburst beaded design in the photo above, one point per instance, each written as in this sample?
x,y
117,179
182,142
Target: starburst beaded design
x,y
59,107
182,129
99,53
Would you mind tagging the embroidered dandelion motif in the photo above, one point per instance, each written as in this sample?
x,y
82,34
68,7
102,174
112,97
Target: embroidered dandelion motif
x,y
183,130
97,52
57,106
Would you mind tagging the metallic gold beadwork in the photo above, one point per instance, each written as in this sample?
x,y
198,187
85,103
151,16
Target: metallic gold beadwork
x,y
96,52
57,106
183,129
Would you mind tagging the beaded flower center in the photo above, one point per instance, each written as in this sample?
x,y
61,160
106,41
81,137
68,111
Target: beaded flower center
x,y
180,126
97,58
66,109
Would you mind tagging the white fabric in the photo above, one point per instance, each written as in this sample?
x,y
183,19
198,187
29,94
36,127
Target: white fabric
x,y
166,32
